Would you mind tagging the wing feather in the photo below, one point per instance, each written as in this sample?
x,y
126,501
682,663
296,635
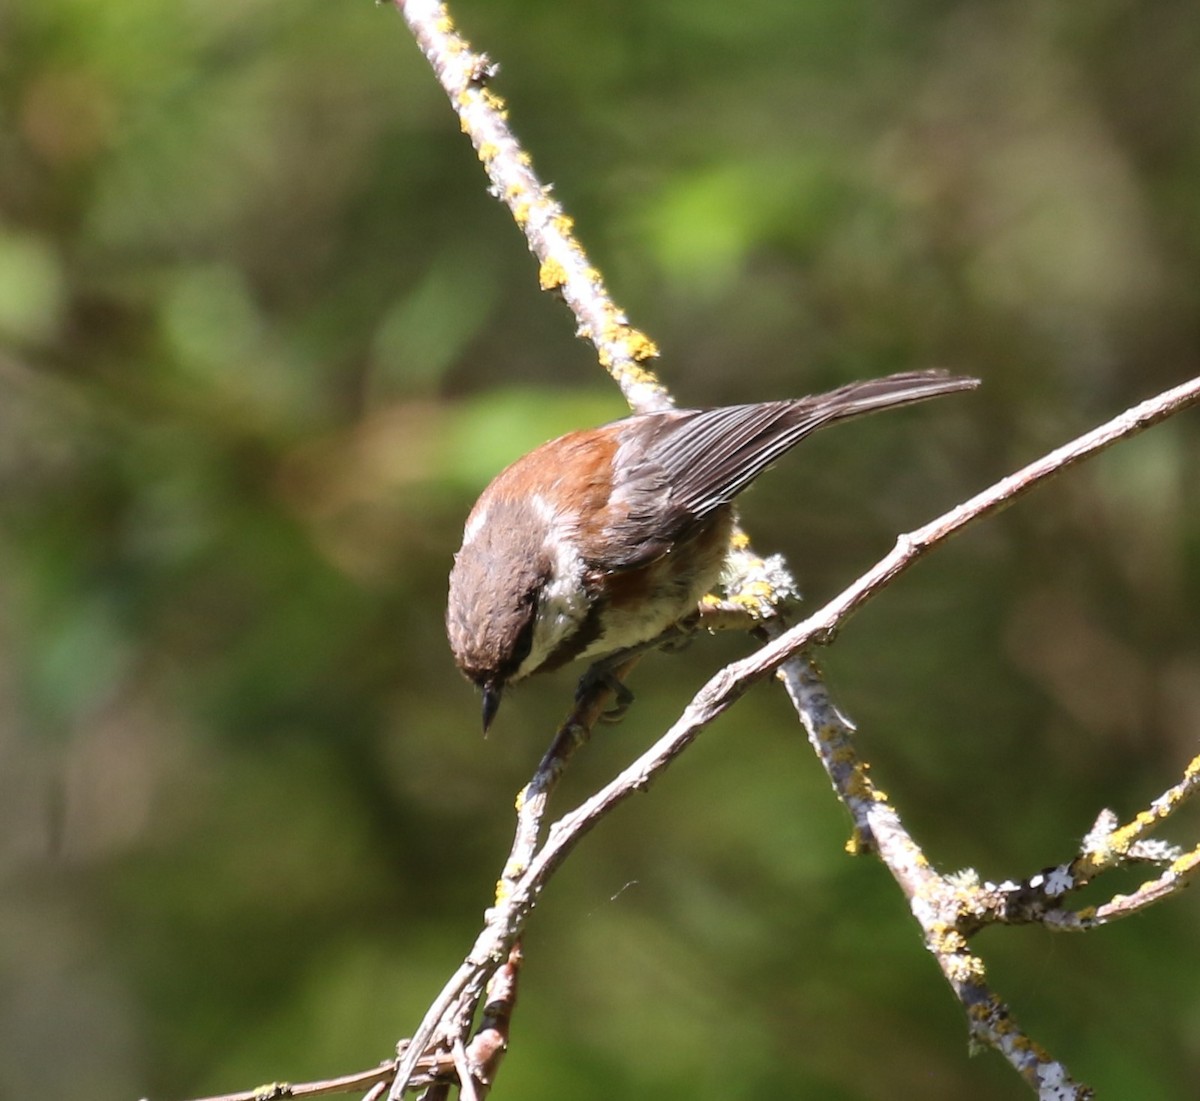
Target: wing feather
x,y
689,463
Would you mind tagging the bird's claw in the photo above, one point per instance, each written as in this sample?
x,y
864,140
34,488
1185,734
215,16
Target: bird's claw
x,y
601,676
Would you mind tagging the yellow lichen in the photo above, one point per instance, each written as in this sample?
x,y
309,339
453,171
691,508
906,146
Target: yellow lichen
x,y
638,376
513,870
1186,864
641,347
757,598
858,785
551,274
494,101
273,1091
974,967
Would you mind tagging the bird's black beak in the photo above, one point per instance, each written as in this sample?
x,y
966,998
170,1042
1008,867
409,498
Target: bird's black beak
x,y
491,702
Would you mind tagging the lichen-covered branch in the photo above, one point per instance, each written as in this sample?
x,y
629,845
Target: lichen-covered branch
x,y
942,905
760,586
1041,897
563,266
913,545
948,908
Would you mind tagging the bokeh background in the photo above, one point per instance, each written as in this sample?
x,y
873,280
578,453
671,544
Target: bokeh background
x,y
264,336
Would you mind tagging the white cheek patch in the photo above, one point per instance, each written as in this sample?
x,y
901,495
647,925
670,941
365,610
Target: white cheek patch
x,y
564,604
474,526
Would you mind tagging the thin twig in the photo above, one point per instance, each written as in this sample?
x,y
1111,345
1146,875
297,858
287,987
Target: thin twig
x,y
1105,847
459,998
624,352
490,1043
910,547
466,1081
873,817
944,908
376,1078
534,797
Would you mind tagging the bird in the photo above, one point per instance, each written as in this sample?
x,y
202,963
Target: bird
x,y
600,541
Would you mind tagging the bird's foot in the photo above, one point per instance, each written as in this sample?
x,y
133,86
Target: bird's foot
x,y
602,675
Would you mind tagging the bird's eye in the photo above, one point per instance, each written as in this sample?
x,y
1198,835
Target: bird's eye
x,y
522,644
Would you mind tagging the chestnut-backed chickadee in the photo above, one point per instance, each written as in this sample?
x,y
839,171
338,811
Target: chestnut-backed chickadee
x,y
601,540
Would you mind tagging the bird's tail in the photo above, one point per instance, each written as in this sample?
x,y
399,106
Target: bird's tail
x,y
856,398
711,455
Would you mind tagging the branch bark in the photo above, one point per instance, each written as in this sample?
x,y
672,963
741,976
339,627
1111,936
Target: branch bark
x,y
949,909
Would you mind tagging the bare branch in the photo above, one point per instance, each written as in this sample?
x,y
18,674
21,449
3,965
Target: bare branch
x,y
466,1080
460,996
943,908
374,1080
948,909
910,547
1179,875
490,1042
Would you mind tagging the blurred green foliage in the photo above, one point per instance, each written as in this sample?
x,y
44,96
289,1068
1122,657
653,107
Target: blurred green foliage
x,y
263,336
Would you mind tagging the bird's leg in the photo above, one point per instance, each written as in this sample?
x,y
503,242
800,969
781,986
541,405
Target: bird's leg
x,y
601,672
676,637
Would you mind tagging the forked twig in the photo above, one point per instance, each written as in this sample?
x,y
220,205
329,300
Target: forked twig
x,y
564,268
948,908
